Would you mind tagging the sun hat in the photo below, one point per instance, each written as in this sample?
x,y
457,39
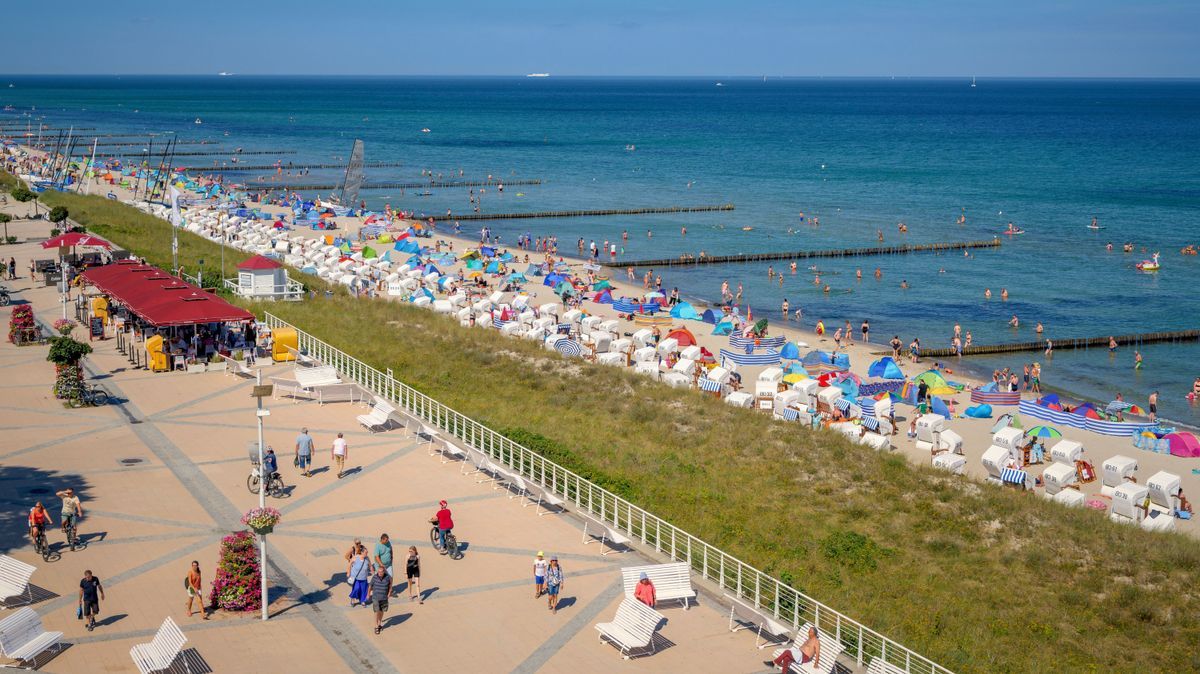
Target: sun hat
x,y
541,554
554,558
643,576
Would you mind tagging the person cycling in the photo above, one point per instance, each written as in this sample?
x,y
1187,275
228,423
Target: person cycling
x,y
270,465
444,523
38,519
72,509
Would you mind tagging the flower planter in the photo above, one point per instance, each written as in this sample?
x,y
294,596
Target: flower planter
x,y
195,367
217,367
264,530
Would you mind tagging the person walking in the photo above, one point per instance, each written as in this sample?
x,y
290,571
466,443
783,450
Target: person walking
x,y
554,583
192,584
1153,400
358,573
304,451
339,452
539,574
380,589
90,594
412,569
383,553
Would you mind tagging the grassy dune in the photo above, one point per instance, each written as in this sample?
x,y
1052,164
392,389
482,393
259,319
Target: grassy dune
x,y
977,578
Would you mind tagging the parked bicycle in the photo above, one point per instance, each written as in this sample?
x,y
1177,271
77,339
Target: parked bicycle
x,y
88,395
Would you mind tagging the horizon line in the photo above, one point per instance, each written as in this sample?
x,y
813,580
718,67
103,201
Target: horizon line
x,y
623,76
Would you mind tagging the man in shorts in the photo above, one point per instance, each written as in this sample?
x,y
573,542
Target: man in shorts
x,y
339,452
379,588
72,509
304,450
90,594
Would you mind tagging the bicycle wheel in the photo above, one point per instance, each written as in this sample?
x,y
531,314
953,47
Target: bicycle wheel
x,y
4,300
451,545
435,539
71,538
76,400
45,549
99,397
252,483
275,488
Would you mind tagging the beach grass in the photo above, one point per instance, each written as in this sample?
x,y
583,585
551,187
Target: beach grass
x,y
975,577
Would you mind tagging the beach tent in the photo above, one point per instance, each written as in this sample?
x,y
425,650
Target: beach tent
x,y
709,317
407,246
1050,400
517,277
469,255
723,328
602,284
983,411
683,336
1087,410
492,268
487,251
475,265
936,382
421,292
938,406
790,351
534,270
603,297
553,280
506,257
1183,444
885,368
685,311
369,253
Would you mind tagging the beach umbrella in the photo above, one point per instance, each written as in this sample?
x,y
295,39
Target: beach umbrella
x,y
654,295
474,274
790,350
761,326
1134,409
1043,432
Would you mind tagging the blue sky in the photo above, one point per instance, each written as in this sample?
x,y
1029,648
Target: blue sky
x,y
1096,38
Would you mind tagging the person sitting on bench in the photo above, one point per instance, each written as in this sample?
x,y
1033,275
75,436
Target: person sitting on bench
x,y
809,651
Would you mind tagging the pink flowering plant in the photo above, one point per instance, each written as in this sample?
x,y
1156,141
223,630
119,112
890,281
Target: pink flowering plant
x,y
261,518
64,326
236,587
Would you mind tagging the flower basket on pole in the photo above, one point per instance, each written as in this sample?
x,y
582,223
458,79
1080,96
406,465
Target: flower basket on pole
x,y
262,521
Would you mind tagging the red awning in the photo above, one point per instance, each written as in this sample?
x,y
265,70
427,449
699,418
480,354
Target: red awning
x,y
76,239
160,299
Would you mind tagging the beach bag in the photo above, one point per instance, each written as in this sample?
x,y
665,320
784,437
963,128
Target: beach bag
x,y
79,611
186,584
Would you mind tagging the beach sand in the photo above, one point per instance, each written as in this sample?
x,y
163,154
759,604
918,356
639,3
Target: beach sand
x,y
976,433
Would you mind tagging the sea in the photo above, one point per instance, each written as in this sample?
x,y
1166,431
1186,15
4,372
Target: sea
x,y
808,164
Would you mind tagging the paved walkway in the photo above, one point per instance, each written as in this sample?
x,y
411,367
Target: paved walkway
x,y
163,476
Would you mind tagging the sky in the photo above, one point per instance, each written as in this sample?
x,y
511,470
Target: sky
x,y
1012,38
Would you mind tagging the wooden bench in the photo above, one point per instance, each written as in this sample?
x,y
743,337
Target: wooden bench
x,y
879,666
379,417
767,626
633,627
22,637
237,367
159,654
14,578
607,535
671,581
830,649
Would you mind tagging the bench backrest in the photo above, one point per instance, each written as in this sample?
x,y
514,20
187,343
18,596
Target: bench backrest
x,y
667,578
638,620
169,640
18,629
383,407
14,574
315,376
831,648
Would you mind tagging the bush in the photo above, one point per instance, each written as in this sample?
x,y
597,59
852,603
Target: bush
x,y
237,584
67,351
22,194
21,323
59,214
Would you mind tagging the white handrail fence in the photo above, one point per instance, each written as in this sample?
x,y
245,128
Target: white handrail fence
x,y
767,594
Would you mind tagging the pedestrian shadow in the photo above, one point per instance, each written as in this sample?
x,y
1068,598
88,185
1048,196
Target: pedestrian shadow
x,y
566,602
112,619
396,620
426,594
318,471
91,537
352,471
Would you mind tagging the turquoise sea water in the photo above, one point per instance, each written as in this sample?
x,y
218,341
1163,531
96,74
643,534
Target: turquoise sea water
x,y
862,155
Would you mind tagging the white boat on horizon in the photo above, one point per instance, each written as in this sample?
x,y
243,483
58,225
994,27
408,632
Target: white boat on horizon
x,y
538,75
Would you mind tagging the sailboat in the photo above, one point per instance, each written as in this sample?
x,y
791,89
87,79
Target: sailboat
x,y
972,81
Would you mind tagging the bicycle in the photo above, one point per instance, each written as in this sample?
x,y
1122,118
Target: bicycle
x,y
88,395
41,546
435,537
72,534
275,486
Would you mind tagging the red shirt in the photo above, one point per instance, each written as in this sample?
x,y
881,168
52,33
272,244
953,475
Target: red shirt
x,y
36,517
443,518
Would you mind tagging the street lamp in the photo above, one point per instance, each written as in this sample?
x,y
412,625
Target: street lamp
x,y
259,392
201,277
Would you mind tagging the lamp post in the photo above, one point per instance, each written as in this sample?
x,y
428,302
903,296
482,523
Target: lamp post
x,y
259,393
200,278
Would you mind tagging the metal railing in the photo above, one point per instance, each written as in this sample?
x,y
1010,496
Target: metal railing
x,y
767,594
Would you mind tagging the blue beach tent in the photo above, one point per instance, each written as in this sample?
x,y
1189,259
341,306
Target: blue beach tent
x,y
885,368
790,351
709,317
723,328
684,310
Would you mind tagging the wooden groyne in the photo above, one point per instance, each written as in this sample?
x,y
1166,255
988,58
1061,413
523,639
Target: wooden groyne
x,y
1133,340
395,185
234,168
126,143
227,153
805,254
583,214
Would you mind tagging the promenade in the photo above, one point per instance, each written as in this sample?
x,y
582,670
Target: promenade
x,y
162,474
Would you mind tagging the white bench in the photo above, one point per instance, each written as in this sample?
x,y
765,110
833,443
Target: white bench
x,y
308,381
767,625
14,578
22,637
379,417
544,495
158,655
237,367
607,535
879,666
830,649
671,581
633,626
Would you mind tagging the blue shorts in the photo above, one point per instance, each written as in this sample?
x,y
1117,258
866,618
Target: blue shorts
x,y
303,460
552,590
539,580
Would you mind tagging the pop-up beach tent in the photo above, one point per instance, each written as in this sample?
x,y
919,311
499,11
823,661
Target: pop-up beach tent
x,y
936,382
683,336
685,311
723,328
709,316
885,368
1183,444
603,297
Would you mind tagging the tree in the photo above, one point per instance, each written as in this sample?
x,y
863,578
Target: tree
x,y
4,220
58,214
24,195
